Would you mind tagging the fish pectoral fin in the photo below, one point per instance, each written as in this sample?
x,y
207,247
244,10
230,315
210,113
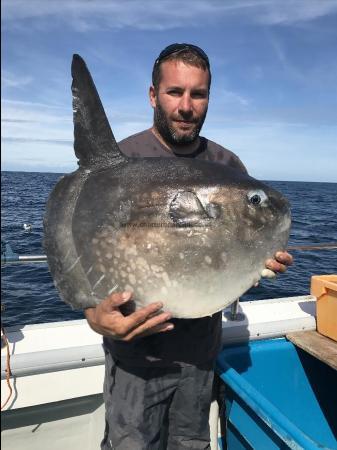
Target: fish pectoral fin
x,y
186,208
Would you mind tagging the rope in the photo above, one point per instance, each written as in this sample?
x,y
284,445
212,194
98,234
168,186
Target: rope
x,y
8,368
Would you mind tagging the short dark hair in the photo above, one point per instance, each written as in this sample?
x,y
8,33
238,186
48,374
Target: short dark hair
x,y
188,53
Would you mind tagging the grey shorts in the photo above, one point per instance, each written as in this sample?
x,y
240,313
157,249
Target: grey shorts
x,y
157,408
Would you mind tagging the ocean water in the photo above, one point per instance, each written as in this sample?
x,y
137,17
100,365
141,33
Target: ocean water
x,y
28,292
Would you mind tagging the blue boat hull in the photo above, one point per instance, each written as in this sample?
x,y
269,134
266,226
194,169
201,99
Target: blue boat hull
x,y
277,397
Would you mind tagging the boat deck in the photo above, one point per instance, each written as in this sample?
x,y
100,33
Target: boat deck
x,y
317,345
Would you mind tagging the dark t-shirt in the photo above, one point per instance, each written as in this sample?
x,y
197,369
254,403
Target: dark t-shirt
x,y
192,341
145,144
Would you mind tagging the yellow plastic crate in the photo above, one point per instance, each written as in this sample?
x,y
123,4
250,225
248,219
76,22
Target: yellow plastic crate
x,y
324,288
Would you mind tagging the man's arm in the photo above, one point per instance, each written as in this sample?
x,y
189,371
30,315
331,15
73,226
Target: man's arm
x,y
106,319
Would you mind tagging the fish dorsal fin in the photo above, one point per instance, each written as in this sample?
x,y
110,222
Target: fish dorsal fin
x,y
94,143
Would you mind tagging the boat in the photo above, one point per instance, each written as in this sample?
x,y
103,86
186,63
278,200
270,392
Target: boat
x,y
52,378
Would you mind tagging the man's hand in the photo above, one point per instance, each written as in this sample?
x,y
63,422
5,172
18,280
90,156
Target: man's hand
x,y
107,319
278,265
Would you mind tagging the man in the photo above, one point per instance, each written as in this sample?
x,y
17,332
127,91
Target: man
x,y
159,372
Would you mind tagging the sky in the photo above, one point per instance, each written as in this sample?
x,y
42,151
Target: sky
x,y
273,99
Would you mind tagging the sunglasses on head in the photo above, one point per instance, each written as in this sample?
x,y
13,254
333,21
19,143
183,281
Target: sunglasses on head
x,y
176,48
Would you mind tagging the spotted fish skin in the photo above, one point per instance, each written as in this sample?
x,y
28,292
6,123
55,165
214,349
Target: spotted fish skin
x,y
193,234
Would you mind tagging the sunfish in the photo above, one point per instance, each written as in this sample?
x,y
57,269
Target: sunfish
x,y
190,233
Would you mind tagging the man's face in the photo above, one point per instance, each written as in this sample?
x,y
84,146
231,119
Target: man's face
x,y
180,104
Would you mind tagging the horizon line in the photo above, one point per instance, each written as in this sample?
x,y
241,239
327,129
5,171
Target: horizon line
x,y
65,173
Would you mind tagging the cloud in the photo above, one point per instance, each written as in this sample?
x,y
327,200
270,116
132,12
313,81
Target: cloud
x,y
287,66
10,80
66,142
288,12
36,124
24,121
18,121
8,103
39,137
84,16
233,97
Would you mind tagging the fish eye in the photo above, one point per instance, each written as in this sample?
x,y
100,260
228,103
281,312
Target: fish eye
x,y
257,197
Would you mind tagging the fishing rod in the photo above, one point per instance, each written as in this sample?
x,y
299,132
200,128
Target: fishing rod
x,y
313,247
8,256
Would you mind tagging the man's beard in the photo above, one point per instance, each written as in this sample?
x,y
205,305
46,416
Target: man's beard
x,y
169,134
